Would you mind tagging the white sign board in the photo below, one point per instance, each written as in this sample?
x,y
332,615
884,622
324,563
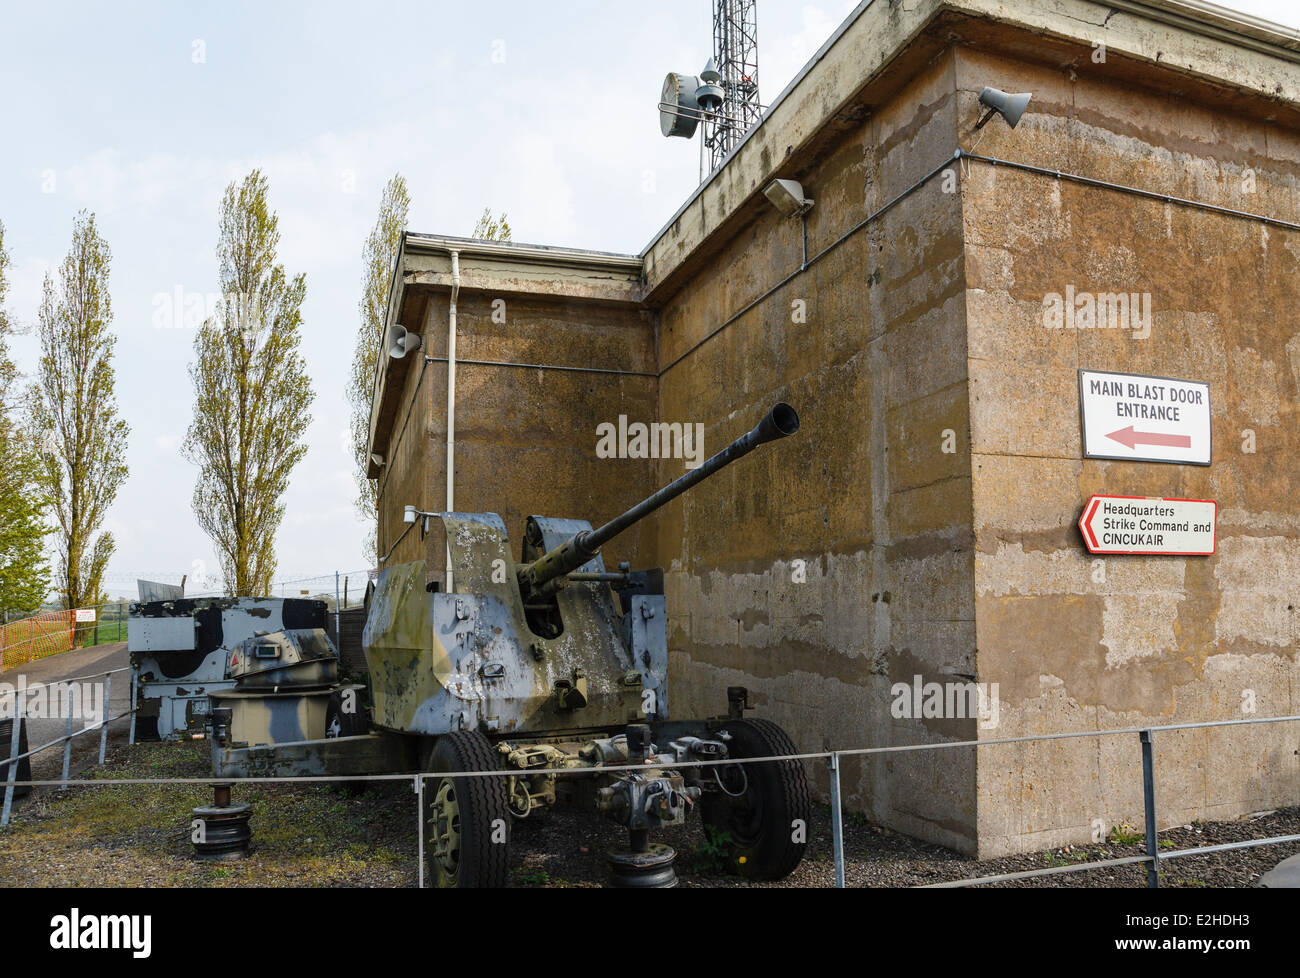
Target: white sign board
x,y
1137,418
1142,525
85,614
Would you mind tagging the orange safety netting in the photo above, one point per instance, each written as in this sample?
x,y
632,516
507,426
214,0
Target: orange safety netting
x,y
34,638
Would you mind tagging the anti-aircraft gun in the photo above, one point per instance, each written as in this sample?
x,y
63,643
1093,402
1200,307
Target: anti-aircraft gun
x,y
557,664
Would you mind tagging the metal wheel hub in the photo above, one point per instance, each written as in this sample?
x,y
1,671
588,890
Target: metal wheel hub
x,y
444,827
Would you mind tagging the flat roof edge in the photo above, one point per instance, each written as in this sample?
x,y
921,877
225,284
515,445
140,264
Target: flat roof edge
x,y
416,243
1196,15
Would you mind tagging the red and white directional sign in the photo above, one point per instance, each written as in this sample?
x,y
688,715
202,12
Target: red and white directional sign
x,y
1144,419
1142,525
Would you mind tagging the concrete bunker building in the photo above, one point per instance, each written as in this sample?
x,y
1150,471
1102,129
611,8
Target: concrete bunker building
x,y
924,521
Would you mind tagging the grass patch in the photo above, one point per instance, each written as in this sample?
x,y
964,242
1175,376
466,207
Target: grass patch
x,y
138,835
710,857
1125,835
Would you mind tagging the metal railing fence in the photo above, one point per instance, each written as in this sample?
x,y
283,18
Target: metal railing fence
x,y
20,710
1152,858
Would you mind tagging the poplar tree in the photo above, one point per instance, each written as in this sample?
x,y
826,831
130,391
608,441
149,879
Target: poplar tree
x,y
251,390
491,228
378,255
24,570
74,412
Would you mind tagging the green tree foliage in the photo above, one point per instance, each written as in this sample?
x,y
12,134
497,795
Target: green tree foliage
x,y
252,392
74,412
24,571
378,256
491,228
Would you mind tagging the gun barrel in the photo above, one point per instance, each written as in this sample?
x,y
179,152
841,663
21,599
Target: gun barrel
x,y
779,422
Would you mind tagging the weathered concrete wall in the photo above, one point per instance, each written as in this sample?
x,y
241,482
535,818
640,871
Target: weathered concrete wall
x,y
525,438
863,495
1077,643
407,478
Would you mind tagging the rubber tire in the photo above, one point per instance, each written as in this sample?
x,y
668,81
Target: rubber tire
x,y
481,803
766,851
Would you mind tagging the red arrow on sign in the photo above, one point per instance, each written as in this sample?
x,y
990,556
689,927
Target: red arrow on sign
x,y
1131,439
1112,541
1085,523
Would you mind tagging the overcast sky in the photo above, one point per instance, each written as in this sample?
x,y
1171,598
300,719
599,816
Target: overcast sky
x,y
144,112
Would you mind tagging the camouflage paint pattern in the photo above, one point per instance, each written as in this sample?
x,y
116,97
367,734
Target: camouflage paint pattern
x,y
261,717
298,657
181,651
468,660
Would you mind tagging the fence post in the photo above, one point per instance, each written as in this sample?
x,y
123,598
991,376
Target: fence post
x,y
130,737
1149,806
837,819
67,749
108,712
419,822
12,774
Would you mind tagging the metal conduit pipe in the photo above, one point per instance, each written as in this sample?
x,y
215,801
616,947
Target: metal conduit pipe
x,y
451,399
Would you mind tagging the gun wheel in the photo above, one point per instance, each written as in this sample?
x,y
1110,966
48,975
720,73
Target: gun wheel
x,y
466,820
757,807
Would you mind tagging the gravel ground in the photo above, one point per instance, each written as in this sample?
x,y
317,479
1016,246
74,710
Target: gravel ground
x,y
568,849
315,835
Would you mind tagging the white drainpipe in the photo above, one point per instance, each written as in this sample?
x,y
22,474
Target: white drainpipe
x,y
451,398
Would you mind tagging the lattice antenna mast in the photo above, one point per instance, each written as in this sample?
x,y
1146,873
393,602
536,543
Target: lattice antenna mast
x,y
721,102
735,49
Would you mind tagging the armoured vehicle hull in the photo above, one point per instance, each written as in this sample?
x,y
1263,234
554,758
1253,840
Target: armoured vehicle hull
x,y
265,667
470,661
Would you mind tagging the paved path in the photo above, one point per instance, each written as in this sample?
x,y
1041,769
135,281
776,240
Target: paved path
x,y
87,666
1286,875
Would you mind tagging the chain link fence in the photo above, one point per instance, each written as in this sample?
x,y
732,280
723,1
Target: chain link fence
x,y
340,590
